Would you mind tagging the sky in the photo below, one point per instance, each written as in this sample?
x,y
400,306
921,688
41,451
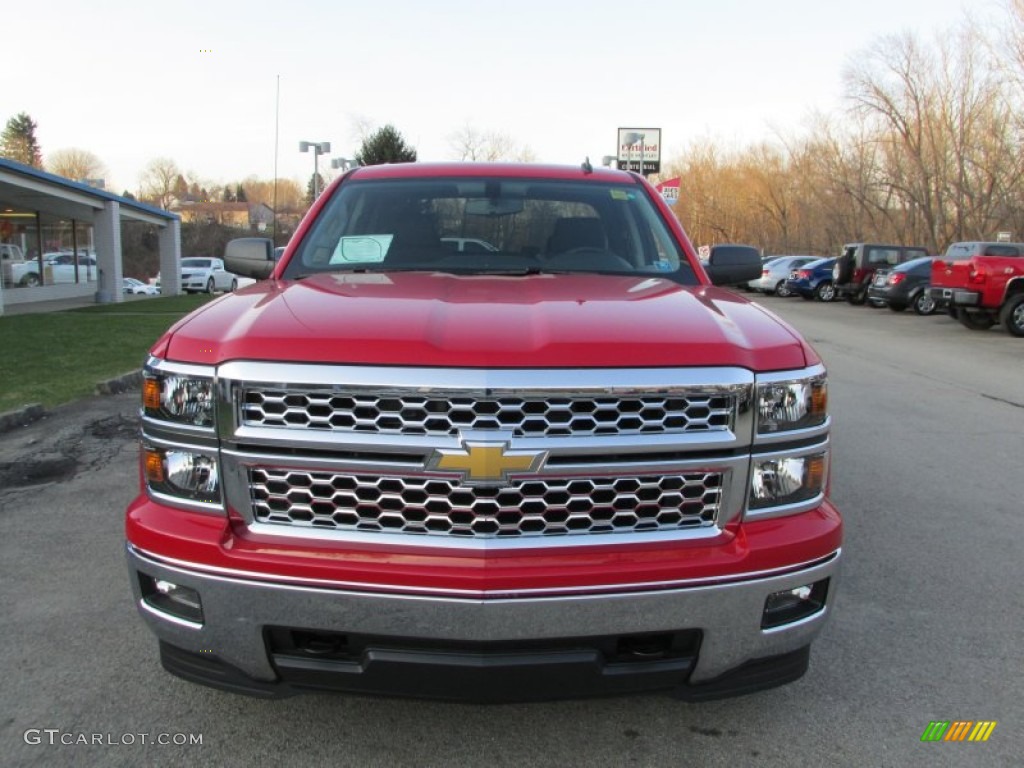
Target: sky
x,y
228,89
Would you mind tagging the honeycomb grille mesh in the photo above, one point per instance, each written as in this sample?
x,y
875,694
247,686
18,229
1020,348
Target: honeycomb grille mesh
x,y
406,414
445,507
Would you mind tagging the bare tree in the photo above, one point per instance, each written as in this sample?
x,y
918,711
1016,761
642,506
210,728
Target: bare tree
x,y
946,129
158,180
76,164
473,144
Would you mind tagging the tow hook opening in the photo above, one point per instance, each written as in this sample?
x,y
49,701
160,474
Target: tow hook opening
x,y
654,647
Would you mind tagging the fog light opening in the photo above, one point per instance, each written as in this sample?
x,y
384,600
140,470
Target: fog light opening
x,y
789,605
171,598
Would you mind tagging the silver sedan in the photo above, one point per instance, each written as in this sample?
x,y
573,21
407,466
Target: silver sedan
x,y
775,272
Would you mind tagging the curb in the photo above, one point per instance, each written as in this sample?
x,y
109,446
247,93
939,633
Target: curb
x,y
22,417
126,382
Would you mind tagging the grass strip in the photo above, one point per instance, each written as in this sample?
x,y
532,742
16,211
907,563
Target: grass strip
x,y
58,357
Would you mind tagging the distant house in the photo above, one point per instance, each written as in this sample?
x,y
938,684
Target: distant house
x,y
260,216
239,215
228,214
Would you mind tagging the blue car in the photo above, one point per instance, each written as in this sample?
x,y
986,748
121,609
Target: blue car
x,y
813,280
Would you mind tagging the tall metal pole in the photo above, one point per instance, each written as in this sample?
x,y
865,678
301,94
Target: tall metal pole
x,y
316,171
277,125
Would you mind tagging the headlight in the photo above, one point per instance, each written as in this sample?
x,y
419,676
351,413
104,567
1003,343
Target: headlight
x,y
178,398
788,405
777,482
182,473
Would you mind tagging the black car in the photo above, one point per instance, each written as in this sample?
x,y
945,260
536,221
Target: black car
x,y
905,285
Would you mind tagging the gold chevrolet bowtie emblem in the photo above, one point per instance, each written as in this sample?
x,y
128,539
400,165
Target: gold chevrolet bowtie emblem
x,y
482,462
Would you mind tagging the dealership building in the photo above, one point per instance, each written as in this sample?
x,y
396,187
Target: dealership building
x,y
61,239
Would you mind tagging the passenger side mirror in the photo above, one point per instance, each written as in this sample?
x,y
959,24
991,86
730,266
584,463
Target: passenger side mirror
x,y
250,257
733,264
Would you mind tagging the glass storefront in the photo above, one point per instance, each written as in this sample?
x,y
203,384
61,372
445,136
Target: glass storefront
x,y
39,249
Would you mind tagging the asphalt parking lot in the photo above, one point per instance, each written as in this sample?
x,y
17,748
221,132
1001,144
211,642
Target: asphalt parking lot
x,y
928,440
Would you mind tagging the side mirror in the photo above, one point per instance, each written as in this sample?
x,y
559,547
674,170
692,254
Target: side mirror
x,y
250,257
733,264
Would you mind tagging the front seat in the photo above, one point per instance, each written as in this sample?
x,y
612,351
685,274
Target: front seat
x,y
415,240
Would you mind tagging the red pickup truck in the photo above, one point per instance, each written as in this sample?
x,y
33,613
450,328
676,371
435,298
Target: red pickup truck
x,y
982,284
562,465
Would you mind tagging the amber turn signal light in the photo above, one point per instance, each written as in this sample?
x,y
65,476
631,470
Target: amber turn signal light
x,y
819,400
151,394
154,466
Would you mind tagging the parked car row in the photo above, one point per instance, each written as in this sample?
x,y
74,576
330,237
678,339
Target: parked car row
x,y
198,274
58,267
979,283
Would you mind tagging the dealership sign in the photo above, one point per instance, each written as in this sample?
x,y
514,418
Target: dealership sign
x,y
640,150
669,190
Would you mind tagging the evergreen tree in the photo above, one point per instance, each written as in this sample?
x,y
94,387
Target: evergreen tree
x,y
385,146
181,189
310,196
18,141
240,194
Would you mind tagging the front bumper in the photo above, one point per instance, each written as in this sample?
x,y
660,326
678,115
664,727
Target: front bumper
x,y
483,649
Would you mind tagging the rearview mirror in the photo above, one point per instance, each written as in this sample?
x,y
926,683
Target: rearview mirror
x,y
494,206
250,257
733,264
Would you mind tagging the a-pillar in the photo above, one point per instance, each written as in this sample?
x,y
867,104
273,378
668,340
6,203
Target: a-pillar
x,y
107,234
169,241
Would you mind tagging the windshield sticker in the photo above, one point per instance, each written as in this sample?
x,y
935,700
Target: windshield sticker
x,y
619,194
361,249
663,266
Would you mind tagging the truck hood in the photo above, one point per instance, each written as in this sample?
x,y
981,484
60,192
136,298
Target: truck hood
x,y
536,321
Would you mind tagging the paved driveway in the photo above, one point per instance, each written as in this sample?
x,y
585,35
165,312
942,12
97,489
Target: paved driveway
x,y
929,435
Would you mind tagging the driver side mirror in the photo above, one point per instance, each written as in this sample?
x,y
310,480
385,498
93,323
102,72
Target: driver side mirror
x,y
250,257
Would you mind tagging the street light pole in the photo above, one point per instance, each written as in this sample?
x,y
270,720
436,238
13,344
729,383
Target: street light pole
x,y
343,163
631,139
319,148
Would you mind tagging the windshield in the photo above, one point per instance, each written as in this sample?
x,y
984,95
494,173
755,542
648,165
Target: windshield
x,y
488,226
198,263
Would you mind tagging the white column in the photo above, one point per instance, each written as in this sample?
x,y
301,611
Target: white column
x,y
107,231
169,241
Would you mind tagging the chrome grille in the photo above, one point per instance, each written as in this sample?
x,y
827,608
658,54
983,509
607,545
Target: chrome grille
x,y
445,507
405,414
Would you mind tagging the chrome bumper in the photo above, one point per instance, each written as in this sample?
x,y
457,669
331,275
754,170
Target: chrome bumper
x,y
236,611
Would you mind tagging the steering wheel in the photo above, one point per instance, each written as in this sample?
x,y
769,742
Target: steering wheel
x,y
603,258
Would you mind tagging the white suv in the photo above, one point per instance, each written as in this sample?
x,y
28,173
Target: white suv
x,y
206,274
